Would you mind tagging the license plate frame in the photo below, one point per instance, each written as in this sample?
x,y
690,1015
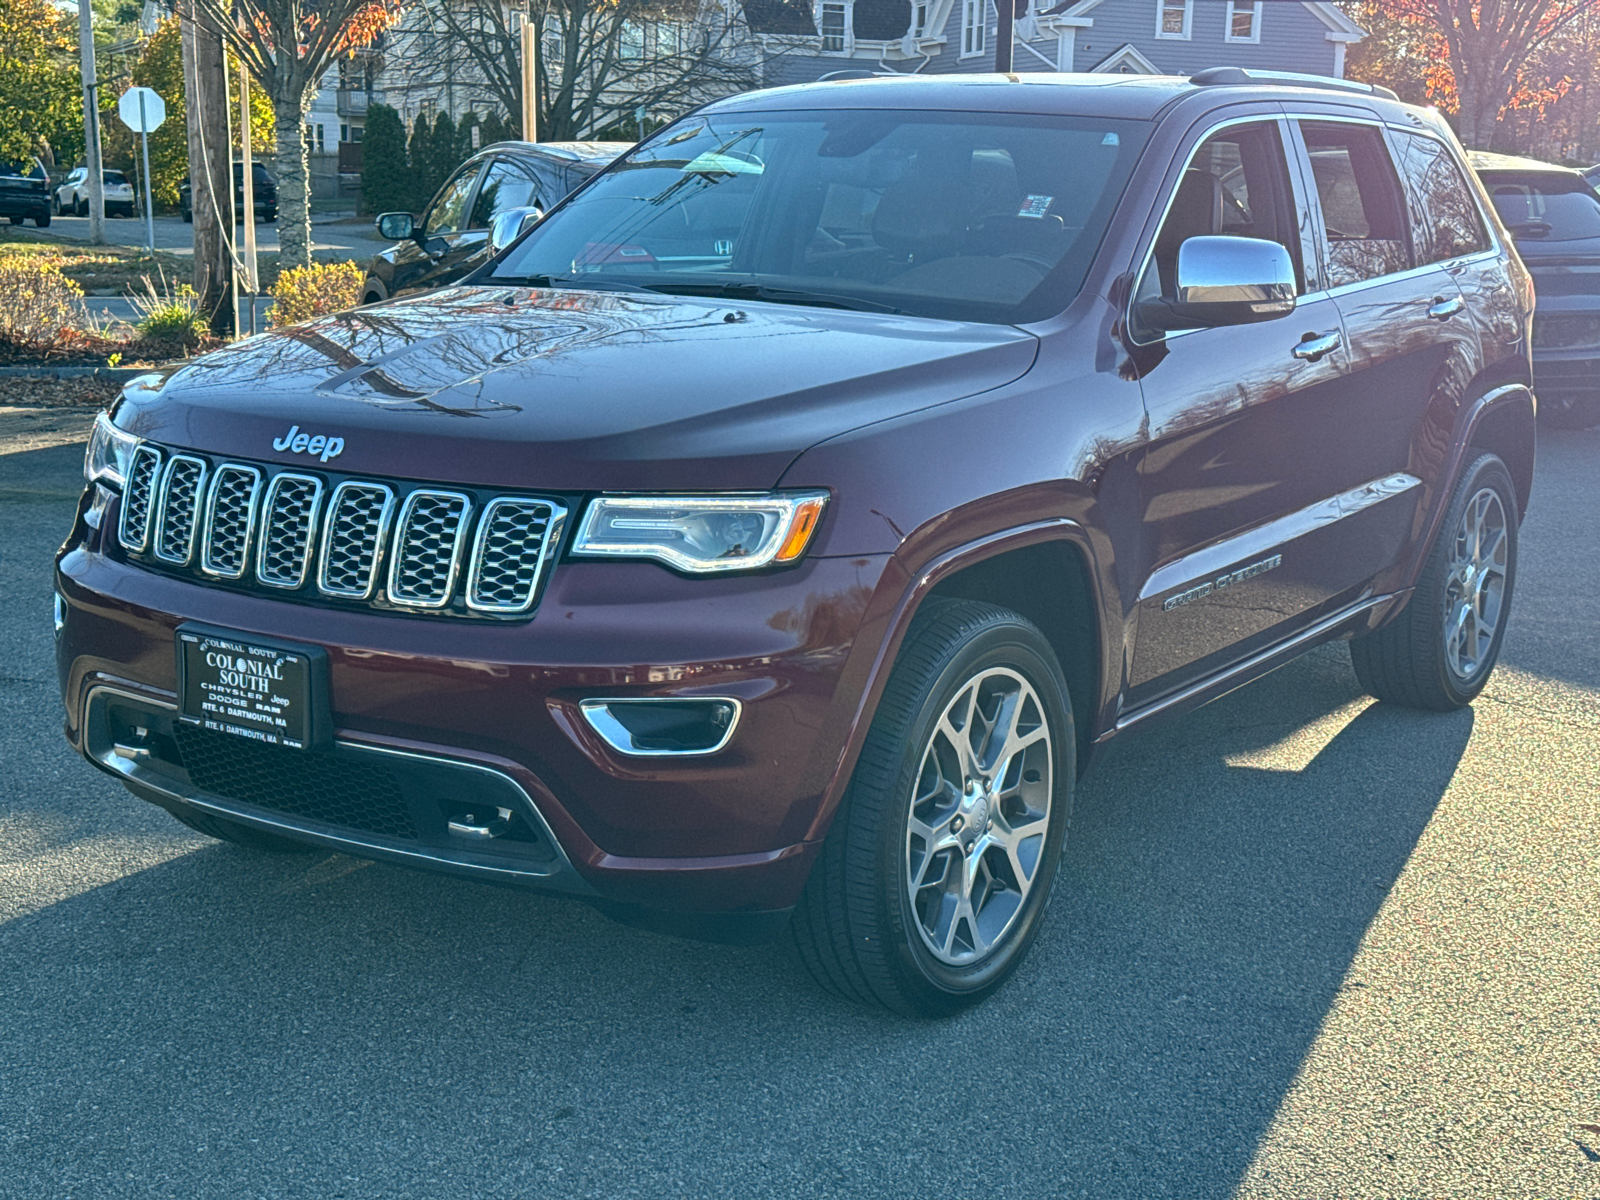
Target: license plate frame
x,y
261,689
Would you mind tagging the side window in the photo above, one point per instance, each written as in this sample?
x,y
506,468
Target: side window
x,y
505,187
1360,199
1444,213
1237,184
449,211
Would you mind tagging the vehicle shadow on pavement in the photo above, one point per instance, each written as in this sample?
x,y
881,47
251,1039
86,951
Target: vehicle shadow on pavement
x,y
232,1023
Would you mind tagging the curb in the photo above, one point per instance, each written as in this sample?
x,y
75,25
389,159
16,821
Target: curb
x,y
45,371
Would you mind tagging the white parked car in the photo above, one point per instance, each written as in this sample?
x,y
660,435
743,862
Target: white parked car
x,y
72,197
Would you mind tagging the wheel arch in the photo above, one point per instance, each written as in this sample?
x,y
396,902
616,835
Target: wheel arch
x,y
1504,422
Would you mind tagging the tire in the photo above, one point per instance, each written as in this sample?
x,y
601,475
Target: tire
x,y
373,292
42,222
240,834
1439,652
16,220
1571,412
861,928
80,207
188,216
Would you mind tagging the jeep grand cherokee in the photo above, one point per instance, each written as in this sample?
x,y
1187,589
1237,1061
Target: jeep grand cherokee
x,y
768,538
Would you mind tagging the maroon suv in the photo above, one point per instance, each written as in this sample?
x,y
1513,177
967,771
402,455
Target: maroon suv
x,y
768,537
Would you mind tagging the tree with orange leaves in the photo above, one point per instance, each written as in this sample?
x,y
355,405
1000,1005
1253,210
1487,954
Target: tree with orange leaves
x,y
1475,54
287,46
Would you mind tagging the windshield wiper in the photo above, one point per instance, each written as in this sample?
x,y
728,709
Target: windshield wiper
x,y
776,295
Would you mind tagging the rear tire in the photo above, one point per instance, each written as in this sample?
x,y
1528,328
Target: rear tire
x,y
935,876
80,207
1571,412
42,222
240,834
16,220
1439,652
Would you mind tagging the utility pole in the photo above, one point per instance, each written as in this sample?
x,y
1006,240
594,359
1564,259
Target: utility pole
x,y
91,126
252,281
1004,34
530,77
205,81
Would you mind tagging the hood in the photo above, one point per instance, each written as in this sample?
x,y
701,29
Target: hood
x,y
569,390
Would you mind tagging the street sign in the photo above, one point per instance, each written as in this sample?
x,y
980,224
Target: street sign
x,y
145,117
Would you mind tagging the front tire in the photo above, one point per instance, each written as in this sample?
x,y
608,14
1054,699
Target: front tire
x,y
934,879
1439,652
42,222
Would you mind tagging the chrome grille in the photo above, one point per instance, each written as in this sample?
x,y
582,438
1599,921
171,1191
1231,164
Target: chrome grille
x,y
133,531
179,505
230,516
387,544
352,539
427,548
283,555
515,538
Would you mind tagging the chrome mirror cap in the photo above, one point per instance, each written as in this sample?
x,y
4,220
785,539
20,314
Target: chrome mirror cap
x,y
1225,281
510,225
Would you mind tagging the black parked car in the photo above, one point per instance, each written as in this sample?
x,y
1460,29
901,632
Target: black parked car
x,y
25,192
452,236
266,195
1553,214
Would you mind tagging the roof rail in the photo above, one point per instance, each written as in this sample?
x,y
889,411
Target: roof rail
x,y
1217,76
853,73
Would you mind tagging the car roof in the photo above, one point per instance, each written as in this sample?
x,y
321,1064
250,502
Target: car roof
x,y
1139,97
1484,161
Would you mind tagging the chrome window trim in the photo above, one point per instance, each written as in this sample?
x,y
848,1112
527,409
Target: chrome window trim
x,y
398,553
249,521
384,516
555,526
596,712
160,499
264,540
143,448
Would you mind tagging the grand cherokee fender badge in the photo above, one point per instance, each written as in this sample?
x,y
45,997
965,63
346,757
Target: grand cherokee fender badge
x,y
1202,590
296,442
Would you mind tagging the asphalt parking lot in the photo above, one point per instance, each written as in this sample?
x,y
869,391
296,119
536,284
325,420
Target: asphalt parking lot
x,y
1303,946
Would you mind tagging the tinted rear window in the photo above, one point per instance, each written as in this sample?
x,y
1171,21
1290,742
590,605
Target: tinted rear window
x,y
31,170
1554,207
116,177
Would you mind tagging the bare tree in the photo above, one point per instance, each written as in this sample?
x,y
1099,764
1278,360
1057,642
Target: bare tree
x,y
288,45
599,61
1489,43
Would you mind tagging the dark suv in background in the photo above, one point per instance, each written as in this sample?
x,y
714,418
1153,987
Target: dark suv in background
x,y
264,190
1553,214
452,236
770,537
25,192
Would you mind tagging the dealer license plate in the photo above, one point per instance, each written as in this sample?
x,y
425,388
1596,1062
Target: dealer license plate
x,y
235,686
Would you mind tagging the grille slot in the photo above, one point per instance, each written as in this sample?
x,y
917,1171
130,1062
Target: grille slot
x,y
178,509
515,539
427,548
319,787
352,540
133,530
283,556
230,516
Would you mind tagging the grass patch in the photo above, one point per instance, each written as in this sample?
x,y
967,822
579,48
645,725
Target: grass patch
x,y
98,270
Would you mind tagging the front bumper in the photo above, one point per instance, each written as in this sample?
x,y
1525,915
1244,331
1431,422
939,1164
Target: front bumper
x,y
478,710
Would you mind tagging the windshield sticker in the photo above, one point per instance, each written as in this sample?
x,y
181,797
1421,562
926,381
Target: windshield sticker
x,y
1110,139
1035,206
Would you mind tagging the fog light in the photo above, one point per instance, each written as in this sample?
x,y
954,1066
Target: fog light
x,y
660,726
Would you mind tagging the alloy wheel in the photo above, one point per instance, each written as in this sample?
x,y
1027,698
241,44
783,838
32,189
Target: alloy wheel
x,y
979,815
1475,584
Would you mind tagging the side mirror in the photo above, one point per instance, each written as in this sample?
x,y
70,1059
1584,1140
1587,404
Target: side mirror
x,y
510,225
396,226
1225,281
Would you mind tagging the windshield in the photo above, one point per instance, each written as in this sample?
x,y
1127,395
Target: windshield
x,y
988,217
1555,208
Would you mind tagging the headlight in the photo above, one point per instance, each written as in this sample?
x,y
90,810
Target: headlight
x,y
702,533
110,449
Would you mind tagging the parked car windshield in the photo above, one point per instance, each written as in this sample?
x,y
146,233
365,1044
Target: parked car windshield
x,y
970,216
1553,207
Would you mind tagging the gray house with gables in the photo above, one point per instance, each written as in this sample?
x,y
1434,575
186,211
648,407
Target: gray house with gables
x,y
810,38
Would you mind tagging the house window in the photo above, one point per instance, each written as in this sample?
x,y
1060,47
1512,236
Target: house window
x,y
1244,21
919,19
1174,18
632,42
834,24
974,27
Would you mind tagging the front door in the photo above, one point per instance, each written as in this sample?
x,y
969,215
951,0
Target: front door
x,y
447,242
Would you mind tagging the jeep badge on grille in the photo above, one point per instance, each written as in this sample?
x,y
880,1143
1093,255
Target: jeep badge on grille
x,y
296,442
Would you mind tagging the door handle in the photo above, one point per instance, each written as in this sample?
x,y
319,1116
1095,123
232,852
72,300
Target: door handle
x,y
1314,345
1442,309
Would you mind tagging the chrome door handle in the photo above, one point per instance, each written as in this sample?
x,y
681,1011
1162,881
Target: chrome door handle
x,y
1442,309
1315,345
